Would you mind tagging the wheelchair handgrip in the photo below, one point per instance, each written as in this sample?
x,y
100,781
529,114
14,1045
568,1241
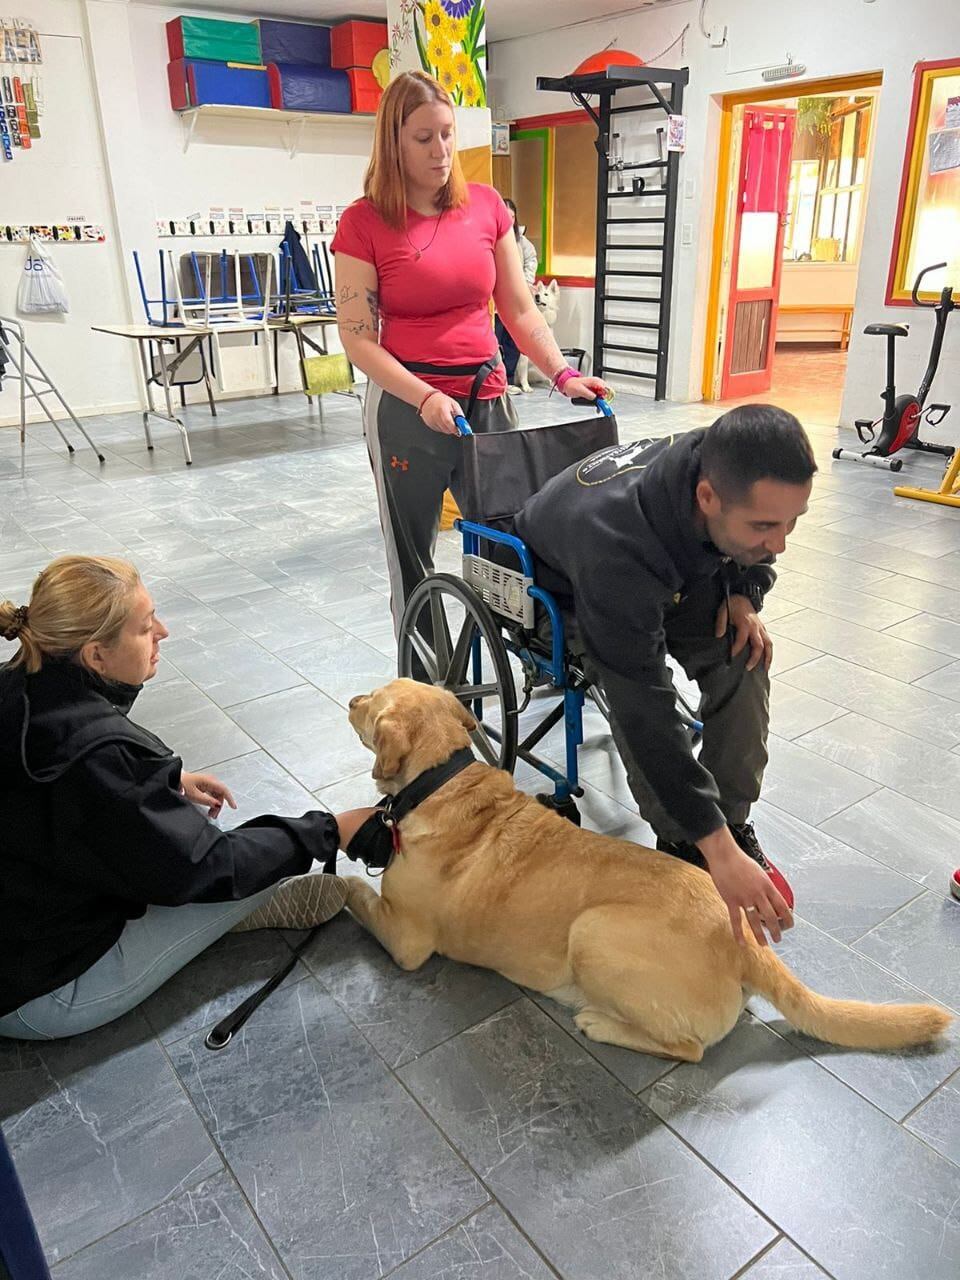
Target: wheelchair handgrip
x,y
599,404
462,425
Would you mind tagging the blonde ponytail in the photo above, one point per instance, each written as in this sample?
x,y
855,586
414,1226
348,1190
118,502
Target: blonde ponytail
x,y
75,600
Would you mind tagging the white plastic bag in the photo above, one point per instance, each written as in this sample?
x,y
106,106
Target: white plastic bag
x,y
42,290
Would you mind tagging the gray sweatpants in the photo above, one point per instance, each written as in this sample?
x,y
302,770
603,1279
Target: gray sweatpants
x,y
735,711
412,467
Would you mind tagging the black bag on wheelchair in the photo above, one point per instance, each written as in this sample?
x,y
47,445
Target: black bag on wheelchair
x,y
500,470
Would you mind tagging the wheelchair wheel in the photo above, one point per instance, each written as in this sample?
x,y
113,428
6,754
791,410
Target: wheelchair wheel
x,y
450,638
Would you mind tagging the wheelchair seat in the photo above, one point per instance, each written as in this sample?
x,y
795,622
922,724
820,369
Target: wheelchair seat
x,y
888,330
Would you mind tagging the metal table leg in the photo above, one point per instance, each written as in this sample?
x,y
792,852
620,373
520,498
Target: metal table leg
x,y
205,366
171,416
147,386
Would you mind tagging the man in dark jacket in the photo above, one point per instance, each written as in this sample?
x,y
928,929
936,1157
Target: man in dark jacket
x,y
666,547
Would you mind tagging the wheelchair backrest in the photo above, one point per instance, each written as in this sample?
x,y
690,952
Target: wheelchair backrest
x,y
500,470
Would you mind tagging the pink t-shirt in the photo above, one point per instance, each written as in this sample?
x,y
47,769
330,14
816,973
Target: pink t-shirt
x,y
435,309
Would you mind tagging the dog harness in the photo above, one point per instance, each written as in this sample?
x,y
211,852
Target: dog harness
x,y
374,844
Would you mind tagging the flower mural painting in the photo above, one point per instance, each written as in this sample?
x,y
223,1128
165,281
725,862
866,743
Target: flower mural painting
x,y
451,44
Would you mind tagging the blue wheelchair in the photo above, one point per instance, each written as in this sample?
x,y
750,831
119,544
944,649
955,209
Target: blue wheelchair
x,y
493,636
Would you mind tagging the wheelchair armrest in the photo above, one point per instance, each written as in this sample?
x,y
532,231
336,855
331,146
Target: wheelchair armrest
x,y
473,530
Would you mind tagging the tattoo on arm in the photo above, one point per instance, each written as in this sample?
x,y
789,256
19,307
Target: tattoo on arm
x,y
373,303
355,327
345,295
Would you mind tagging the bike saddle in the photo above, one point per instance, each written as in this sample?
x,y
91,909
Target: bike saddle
x,y
888,330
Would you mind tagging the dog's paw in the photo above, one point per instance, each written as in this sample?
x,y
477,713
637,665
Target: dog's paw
x,y
358,891
590,1023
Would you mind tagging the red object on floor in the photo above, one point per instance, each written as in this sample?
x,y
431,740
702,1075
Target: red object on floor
x,y
955,884
598,63
356,44
365,93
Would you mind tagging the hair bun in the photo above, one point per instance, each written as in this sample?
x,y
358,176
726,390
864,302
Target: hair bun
x,y
18,623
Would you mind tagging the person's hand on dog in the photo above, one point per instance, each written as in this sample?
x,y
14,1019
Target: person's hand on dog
x,y
745,887
585,388
204,790
749,631
438,413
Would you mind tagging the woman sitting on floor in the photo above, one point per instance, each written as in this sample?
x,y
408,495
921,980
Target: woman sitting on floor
x,y
113,878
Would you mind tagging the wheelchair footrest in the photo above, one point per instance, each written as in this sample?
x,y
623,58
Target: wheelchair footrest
x,y
502,590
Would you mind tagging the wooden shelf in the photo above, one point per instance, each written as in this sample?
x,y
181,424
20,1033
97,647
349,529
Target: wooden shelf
x,y
291,122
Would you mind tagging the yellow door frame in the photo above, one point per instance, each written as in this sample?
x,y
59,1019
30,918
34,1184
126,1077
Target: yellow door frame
x,y
789,89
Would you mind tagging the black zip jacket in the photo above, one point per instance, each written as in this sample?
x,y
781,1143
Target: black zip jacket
x,y
616,538
93,829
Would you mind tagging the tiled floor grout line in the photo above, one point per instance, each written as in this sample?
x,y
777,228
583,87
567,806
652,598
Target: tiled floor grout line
x,y
744,1272
474,1213
460,1155
228,1167
954,1075
181,1189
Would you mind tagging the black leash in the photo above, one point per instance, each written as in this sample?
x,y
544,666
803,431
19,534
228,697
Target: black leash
x,y
378,838
226,1028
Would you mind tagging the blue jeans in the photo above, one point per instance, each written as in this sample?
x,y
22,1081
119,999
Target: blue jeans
x,y
148,952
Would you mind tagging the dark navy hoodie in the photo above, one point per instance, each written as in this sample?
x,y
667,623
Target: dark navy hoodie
x,y
617,537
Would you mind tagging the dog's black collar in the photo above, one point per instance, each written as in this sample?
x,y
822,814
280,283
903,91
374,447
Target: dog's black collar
x,y
421,788
377,840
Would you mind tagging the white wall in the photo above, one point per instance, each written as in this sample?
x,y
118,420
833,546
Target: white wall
x,y
138,172
832,37
64,173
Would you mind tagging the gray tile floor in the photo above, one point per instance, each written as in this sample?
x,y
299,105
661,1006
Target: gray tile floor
x,y
371,1122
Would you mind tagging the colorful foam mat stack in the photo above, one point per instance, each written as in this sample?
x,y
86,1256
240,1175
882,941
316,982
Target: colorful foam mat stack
x,y
290,66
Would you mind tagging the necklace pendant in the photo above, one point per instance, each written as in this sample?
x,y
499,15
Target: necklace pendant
x,y
417,256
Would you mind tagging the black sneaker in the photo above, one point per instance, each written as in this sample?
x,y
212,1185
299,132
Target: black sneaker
x,y
682,850
746,838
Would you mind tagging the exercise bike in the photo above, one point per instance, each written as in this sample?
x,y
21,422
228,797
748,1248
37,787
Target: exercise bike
x,y
902,415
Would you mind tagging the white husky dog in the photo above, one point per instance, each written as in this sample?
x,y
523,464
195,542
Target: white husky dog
x,y
547,298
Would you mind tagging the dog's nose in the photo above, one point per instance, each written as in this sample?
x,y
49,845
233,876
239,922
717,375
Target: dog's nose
x,y
353,701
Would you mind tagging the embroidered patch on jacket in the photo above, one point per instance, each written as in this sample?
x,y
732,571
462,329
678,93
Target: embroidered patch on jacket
x,y
610,463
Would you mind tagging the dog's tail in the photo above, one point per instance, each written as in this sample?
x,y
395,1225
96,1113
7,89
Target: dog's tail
x,y
851,1023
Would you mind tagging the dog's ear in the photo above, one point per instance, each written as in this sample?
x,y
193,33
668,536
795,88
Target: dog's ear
x,y
553,289
463,715
391,743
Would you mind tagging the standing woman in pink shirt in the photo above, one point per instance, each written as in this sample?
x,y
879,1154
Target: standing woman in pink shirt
x,y
419,259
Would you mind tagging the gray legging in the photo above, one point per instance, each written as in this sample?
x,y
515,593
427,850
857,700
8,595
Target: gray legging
x,y
148,952
412,467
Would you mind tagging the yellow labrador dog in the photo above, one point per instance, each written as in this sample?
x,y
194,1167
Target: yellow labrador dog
x,y
639,943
